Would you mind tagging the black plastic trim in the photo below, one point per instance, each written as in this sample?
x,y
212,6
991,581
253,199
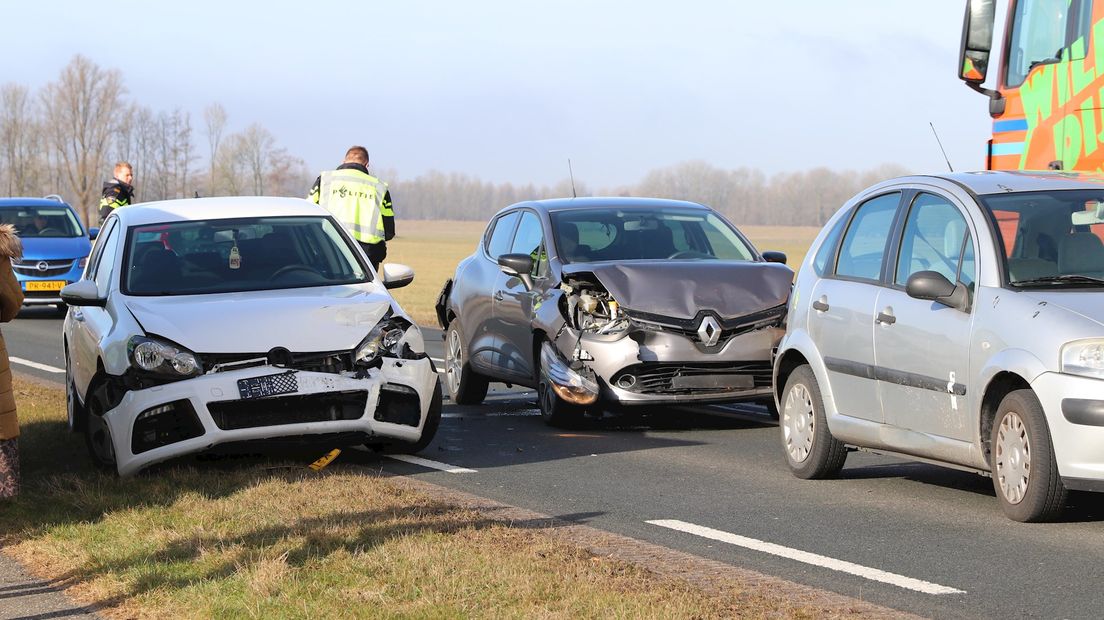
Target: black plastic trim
x,y
890,375
1083,411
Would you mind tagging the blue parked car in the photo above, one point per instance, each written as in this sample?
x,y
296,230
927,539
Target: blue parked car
x,y
55,246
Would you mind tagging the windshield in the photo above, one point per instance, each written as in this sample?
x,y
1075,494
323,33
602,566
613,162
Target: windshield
x,y
42,221
592,235
1051,239
250,254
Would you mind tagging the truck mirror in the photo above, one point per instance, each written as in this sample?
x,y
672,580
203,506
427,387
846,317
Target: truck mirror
x,y
977,40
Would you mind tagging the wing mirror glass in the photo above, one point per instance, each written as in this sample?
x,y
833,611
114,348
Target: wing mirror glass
x,y
772,256
519,266
82,293
977,40
396,275
934,286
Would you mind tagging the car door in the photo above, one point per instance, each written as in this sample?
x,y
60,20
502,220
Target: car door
x,y
90,323
841,320
476,292
922,347
514,304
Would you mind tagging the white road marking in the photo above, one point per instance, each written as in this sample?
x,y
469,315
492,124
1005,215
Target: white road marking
x,y
808,558
452,469
19,360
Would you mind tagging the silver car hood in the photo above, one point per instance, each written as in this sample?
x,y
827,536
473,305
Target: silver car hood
x,y
1089,304
331,318
680,289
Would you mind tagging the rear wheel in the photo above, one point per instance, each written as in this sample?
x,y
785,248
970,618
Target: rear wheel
x,y
811,450
97,436
1025,473
465,386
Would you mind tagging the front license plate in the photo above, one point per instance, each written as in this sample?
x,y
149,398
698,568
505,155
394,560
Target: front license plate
x,y
45,285
268,385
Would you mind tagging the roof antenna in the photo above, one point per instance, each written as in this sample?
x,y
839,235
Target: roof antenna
x,y
571,174
940,143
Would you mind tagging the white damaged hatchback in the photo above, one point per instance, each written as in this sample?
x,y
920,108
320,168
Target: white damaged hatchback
x,y
223,320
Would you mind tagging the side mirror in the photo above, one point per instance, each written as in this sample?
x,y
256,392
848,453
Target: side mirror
x,y
82,293
517,265
977,41
396,275
93,232
772,256
934,286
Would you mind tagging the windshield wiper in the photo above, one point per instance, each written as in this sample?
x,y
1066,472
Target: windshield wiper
x,y
1063,279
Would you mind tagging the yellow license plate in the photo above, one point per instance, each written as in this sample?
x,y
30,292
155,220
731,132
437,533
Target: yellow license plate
x,y
46,285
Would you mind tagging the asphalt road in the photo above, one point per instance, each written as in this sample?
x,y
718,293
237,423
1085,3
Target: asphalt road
x,y
713,482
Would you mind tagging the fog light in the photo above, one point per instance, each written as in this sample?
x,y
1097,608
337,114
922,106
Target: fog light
x,y
626,382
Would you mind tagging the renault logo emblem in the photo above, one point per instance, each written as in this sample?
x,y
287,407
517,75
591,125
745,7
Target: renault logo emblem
x,y
42,265
709,331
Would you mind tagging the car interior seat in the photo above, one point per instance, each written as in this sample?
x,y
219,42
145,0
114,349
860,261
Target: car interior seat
x,y
160,270
569,243
1081,253
658,242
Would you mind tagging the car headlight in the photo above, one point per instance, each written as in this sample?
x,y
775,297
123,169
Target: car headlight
x,y
153,355
385,339
1084,357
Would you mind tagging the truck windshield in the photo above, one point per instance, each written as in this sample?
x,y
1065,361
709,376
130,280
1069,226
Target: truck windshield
x,y
1050,239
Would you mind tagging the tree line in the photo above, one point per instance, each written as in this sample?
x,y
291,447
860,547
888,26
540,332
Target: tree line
x,y
64,138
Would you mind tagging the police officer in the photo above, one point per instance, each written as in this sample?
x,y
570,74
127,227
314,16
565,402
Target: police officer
x,y
118,192
360,201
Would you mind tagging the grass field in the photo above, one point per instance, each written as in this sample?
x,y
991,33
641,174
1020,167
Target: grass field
x,y
433,248
257,536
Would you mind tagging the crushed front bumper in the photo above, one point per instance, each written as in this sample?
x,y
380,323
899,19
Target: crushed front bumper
x,y
209,410
654,366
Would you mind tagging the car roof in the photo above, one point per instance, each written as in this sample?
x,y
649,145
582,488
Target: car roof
x,y
190,209
604,202
1005,181
31,202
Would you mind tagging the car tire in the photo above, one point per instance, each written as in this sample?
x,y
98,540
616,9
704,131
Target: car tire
x,y
554,410
465,386
1025,472
97,435
811,450
76,414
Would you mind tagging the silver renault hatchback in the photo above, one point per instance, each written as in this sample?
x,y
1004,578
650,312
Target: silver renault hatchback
x,y
956,319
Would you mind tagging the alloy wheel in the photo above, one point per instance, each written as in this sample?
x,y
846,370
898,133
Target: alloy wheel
x,y
798,419
454,361
1013,458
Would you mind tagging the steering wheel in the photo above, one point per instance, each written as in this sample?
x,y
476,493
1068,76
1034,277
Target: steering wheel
x,y
292,268
49,231
689,254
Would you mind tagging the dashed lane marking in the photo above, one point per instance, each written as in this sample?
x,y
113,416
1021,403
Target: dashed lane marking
x,y
53,369
842,566
415,460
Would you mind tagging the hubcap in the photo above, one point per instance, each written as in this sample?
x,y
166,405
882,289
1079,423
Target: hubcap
x,y
454,361
797,423
1013,458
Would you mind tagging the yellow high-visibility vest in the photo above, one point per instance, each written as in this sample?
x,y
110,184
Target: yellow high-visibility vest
x,y
356,200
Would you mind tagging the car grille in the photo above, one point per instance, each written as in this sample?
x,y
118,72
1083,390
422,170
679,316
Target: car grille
x,y
300,409
730,327
53,267
327,361
694,379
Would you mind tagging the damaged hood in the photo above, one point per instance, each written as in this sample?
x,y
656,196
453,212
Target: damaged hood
x,y
680,289
332,318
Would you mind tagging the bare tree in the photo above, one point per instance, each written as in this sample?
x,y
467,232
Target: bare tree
x,y
214,119
20,141
81,107
257,144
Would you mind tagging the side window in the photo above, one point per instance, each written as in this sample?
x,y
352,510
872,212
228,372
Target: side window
x,y
934,234
98,250
828,247
1046,31
864,244
499,241
529,239
104,265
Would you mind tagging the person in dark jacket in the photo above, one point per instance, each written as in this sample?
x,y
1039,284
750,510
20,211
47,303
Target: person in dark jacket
x,y
117,192
11,299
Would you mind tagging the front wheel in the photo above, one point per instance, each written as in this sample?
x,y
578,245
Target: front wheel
x,y
97,436
554,410
465,386
811,450
1025,472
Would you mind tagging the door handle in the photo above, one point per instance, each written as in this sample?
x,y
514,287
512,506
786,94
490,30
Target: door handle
x,y
888,319
498,295
821,305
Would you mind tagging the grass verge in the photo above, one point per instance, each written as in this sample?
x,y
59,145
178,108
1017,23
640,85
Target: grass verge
x,y
261,537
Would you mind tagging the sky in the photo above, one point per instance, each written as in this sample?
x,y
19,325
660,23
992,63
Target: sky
x,y
510,90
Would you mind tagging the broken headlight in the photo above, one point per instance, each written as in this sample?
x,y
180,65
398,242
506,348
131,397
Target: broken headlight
x,y
152,355
391,337
598,312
